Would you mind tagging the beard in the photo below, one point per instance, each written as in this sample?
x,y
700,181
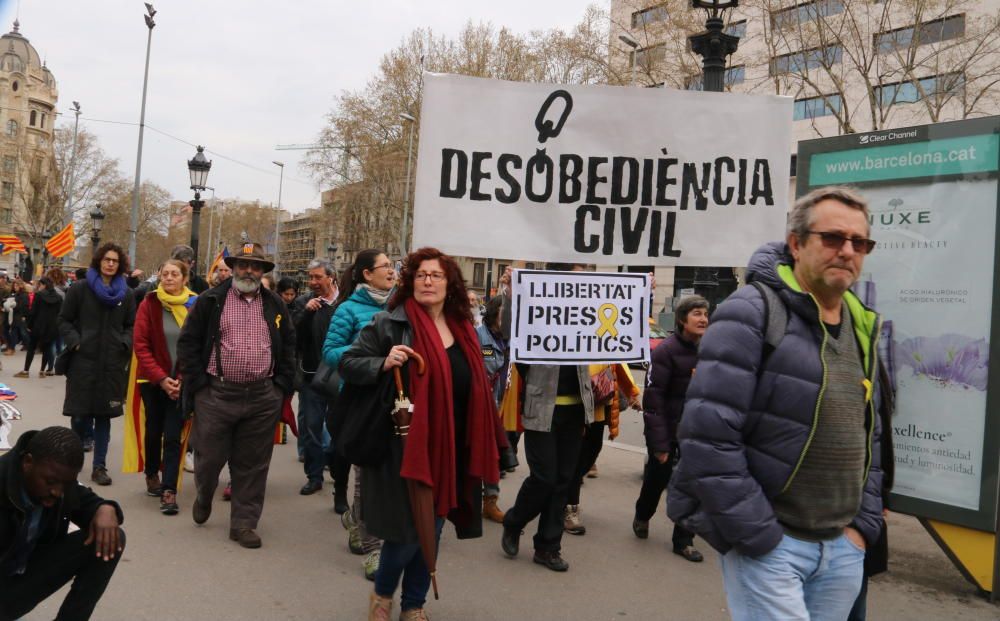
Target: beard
x,y
246,284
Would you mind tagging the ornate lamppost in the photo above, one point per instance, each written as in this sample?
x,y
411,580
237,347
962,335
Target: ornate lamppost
x,y
198,167
96,224
714,45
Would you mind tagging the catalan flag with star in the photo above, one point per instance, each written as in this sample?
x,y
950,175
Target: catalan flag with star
x,y
62,243
12,243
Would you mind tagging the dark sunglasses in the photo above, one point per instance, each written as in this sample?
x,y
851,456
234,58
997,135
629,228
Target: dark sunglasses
x,y
835,241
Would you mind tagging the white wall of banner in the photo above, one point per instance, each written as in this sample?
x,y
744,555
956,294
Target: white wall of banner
x,y
599,174
579,317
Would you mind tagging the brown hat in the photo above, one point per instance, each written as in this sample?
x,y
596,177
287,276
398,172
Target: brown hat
x,y
249,252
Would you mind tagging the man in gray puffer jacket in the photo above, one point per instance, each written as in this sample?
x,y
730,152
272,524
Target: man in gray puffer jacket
x,y
780,468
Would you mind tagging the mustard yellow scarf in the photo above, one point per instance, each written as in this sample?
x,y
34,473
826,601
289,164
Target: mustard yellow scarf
x,y
175,303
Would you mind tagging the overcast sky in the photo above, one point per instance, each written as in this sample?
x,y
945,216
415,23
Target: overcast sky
x,y
236,76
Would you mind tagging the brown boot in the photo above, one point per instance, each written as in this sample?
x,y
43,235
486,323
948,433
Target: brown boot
x,y
491,511
379,608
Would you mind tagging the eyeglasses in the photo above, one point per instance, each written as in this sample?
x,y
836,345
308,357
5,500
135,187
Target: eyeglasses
x,y
109,260
835,241
434,276
383,266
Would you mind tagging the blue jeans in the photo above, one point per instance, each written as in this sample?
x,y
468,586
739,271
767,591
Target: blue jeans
x,y
797,581
100,429
312,416
407,561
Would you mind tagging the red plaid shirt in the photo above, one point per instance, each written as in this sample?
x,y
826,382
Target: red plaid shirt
x,y
244,340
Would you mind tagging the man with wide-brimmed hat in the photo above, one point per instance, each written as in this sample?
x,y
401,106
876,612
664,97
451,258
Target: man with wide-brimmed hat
x,y
237,361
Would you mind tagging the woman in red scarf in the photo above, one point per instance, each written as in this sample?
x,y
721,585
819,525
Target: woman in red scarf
x,y
454,439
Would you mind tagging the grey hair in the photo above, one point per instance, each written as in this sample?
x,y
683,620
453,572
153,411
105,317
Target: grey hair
x,y
800,218
327,267
687,304
182,252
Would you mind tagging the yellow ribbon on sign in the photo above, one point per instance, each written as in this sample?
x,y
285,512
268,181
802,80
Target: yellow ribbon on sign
x,y
607,320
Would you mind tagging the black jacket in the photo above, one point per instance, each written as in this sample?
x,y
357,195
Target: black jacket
x,y
78,505
43,321
670,372
385,504
98,370
200,335
310,332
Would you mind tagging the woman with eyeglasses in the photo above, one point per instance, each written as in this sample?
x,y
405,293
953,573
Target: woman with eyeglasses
x,y
364,290
96,325
454,439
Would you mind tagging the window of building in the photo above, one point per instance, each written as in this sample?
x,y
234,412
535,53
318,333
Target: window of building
x,y
6,215
737,29
12,128
806,11
7,190
647,56
43,121
912,92
734,75
529,266
798,62
14,86
478,274
815,107
927,32
650,15
9,163
33,118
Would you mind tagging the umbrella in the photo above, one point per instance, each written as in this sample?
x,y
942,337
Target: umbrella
x,y
421,496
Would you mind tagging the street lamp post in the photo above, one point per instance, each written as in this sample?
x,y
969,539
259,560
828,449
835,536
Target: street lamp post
x,y
406,192
133,223
68,216
714,45
198,168
277,224
96,223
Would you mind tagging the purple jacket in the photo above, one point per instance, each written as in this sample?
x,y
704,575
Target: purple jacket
x,y
667,382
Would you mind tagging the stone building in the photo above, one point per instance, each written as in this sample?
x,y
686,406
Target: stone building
x,y
30,196
851,66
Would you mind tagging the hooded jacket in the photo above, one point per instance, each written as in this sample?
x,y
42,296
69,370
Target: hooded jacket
x,y
43,320
351,315
749,417
78,505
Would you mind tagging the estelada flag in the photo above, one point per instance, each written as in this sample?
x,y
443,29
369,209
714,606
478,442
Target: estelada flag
x,y
11,243
218,261
62,243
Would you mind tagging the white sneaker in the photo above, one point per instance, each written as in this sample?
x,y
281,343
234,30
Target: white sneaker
x,y
189,462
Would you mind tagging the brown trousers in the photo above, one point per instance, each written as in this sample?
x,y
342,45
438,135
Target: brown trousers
x,y
235,423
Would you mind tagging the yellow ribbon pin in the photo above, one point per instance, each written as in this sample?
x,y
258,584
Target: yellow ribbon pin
x,y
868,389
277,321
607,320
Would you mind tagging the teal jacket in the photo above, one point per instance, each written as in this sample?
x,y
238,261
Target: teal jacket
x,y
351,315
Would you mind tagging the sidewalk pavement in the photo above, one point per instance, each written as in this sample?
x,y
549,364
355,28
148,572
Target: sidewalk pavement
x,y
173,569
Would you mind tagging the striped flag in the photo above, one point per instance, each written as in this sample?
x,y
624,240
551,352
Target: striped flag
x,y
62,243
11,243
218,261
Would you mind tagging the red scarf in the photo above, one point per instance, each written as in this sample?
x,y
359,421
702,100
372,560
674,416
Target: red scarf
x,y
429,456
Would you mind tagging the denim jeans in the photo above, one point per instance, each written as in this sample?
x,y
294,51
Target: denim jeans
x,y
407,561
83,426
312,416
797,581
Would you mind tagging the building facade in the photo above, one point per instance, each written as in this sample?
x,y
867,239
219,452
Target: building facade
x,y
30,195
851,66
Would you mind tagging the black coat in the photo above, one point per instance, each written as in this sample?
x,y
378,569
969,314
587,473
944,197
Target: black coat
x,y
22,309
101,337
385,504
200,335
310,332
43,321
78,505
670,372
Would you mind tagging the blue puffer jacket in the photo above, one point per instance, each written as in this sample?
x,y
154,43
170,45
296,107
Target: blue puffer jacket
x,y
351,315
745,431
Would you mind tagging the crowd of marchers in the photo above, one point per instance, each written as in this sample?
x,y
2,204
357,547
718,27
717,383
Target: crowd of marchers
x,y
763,424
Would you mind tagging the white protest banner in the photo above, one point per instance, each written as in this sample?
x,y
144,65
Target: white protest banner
x,y
599,174
579,317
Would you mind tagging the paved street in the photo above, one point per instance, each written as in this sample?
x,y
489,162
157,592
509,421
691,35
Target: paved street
x,y
175,570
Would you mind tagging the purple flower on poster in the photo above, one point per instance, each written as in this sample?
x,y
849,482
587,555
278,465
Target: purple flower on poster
x,y
949,358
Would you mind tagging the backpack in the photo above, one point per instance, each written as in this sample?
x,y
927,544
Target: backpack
x,y
775,320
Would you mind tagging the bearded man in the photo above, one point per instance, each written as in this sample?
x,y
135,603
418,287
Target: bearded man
x,y
237,361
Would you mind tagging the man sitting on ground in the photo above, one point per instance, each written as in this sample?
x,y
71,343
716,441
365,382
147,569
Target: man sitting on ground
x,y
39,496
